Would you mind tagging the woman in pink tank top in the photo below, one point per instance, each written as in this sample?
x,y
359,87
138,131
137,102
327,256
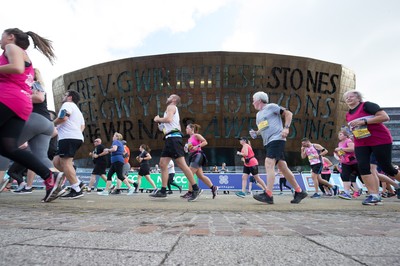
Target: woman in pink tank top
x,y
197,158
16,79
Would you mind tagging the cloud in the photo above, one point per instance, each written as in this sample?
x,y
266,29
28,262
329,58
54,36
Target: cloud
x,y
360,34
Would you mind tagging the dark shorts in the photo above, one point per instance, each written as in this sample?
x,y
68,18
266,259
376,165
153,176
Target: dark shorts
x,y
144,170
99,169
196,160
316,168
67,148
250,170
173,148
276,150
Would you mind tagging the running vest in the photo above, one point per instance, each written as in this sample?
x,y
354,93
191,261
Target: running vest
x,y
368,135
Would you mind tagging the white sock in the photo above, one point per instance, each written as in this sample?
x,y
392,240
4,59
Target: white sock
x,y
76,187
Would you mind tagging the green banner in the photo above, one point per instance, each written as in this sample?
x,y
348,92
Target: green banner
x,y
179,179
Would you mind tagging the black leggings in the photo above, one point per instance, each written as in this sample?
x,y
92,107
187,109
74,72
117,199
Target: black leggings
x,y
282,183
116,167
171,181
10,129
383,154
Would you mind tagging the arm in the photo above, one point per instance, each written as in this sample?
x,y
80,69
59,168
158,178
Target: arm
x,y
303,153
37,96
203,141
112,149
168,117
245,151
16,64
380,117
322,150
287,118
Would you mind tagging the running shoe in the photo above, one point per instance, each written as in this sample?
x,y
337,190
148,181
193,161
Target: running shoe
x,y
187,195
398,192
264,197
3,183
103,193
116,192
345,196
22,191
356,194
130,191
135,185
20,187
335,189
158,194
53,186
214,190
372,200
240,194
180,189
299,196
316,196
195,195
73,194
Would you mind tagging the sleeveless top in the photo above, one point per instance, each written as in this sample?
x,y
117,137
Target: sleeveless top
x,y
313,155
368,135
325,169
348,158
193,141
250,155
174,125
16,89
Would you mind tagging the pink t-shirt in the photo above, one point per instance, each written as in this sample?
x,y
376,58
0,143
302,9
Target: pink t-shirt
x,y
346,157
250,155
16,90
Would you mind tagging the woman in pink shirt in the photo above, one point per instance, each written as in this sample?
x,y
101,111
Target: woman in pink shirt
x,y
371,136
250,167
16,79
197,158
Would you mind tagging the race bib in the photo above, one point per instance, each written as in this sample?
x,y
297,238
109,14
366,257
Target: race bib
x,y
361,132
262,125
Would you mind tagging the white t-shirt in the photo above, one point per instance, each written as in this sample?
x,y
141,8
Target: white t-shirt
x,y
71,129
171,167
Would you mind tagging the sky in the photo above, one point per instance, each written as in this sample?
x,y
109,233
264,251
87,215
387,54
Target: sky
x,y
362,35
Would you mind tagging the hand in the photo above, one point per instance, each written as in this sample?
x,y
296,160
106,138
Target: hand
x,y
285,132
238,153
253,134
156,118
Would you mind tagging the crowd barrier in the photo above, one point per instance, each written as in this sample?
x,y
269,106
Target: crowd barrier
x,y
225,181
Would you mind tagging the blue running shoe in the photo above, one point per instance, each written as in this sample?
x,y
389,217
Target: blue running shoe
x,y
345,196
240,194
371,200
316,196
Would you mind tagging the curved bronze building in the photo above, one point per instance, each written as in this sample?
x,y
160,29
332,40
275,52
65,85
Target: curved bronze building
x,y
216,90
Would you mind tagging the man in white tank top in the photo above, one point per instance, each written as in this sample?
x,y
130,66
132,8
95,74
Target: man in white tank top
x,y
173,149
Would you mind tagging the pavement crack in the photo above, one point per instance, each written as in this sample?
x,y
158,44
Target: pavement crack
x,y
334,250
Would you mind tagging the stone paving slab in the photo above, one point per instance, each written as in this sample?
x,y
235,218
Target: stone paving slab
x,y
229,230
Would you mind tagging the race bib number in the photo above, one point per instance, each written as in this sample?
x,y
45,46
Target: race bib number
x,y
360,133
262,125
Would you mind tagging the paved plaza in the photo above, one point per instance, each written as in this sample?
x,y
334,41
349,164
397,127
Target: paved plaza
x,y
138,230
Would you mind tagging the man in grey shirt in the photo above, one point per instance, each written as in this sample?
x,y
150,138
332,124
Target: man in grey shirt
x,y
273,132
